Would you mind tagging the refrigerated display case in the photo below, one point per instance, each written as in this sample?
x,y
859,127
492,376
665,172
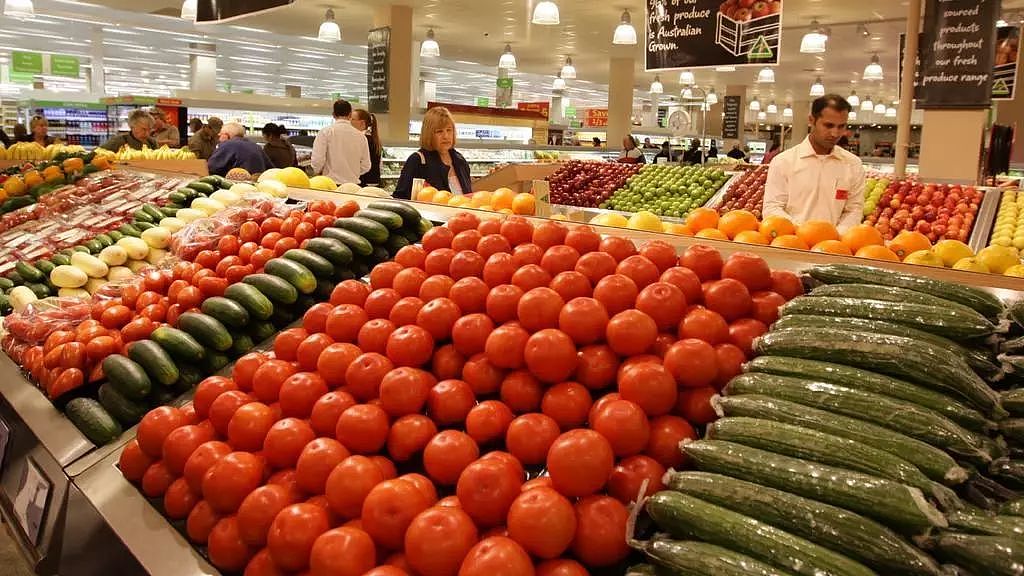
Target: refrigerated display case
x,y
75,123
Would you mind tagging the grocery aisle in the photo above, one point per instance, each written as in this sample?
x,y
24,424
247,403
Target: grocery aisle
x,y
10,558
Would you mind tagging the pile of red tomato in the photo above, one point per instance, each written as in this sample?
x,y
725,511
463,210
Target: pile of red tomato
x,y
395,431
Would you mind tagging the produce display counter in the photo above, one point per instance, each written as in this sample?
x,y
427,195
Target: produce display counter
x,y
93,521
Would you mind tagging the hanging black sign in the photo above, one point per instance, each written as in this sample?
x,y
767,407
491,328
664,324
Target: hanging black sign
x,y
704,33
957,54
378,61
731,117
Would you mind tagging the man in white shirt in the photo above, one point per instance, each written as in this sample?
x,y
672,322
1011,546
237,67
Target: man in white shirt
x,y
341,152
817,180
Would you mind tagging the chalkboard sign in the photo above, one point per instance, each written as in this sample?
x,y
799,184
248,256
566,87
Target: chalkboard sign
x,y
218,11
378,61
957,54
705,33
731,117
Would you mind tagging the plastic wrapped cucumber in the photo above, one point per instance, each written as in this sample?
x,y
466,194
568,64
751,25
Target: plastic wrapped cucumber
x,y
952,321
1013,429
1013,401
988,555
1012,508
1009,471
976,521
689,558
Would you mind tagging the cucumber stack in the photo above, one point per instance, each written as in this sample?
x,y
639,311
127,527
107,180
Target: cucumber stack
x,y
867,438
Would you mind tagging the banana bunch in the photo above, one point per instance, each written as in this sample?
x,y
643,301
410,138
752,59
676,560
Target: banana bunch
x,y
33,151
162,153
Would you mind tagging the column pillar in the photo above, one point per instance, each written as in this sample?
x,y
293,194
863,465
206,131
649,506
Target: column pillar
x,y
801,121
622,76
97,77
395,124
203,69
907,88
1011,113
940,158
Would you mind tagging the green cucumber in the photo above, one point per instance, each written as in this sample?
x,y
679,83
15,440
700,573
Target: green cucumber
x,y
318,265
6,283
177,197
296,274
1012,508
324,289
951,322
357,244
1009,470
410,234
207,330
30,273
684,516
988,555
935,463
141,215
143,226
887,293
92,420
60,260
254,302
853,535
333,250
160,396
168,212
230,313
905,417
410,215
105,240
276,289
424,226
154,212
980,300
1013,429
179,344
389,219
689,558
201,187
127,377
901,507
370,229
15,278
975,521
127,412
215,361
920,362
1013,401
189,376
395,243
242,345
45,266
262,331
154,360
115,235
129,230
283,316
40,290
871,382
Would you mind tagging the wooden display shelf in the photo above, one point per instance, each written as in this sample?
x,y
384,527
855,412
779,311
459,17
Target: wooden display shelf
x,y
516,177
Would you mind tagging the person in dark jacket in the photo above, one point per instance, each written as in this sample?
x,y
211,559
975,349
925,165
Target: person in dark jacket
x,y
366,122
436,161
140,124
237,152
278,149
666,153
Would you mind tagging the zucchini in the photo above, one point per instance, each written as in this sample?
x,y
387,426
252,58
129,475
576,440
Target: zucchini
x,y
977,358
252,299
389,219
1013,401
379,254
689,558
60,260
871,382
410,215
105,240
296,274
154,360
179,344
153,212
1013,429
318,265
901,507
207,330
274,288
127,377
1011,471
6,283
130,230
980,300
987,555
230,313
1012,508
951,321
423,226
30,273
160,396
359,245
976,521
215,361
910,419
126,411
189,377
920,362
202,187
115,235
242,344
333,250
45,266
853,535
877,292
935,463
92,420
810,444
262,331
684,516
370,229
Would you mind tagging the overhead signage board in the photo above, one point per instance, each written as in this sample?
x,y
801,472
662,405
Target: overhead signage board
x,y
706,33
216,11
26,62
378,77
731,117
957,54
61,65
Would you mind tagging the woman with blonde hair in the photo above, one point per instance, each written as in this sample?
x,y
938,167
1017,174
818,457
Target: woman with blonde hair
x,y
436,161
39,128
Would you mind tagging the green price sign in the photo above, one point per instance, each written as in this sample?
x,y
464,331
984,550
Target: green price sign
x,y
27,62
61,65
504,82
570,112
483,101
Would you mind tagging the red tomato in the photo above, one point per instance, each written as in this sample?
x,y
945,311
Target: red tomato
x,y
364,375
439,261
542,521
463,221
664,303
488,421
496,556
405,310
666,434
249,232
249,425
407,282
344,321
493,244
625,426
389,509
222,266
525,254
116,316
750,269
469,333
650,386
503,302
437,317
257,512
498,269
315,319
434,287
559,258
133,462
616,293
704,260
618,247
231,479
482,376
579,462
300,392
342,551
638,269
449,402
505,345
245,370
706,325
157,479
728,297
437,238
346,209
383,274
224,407
766,307
286,344
179,500
309,351
631,332
595,266
531,276
743,332
373,336
408,436
517,230
334,362
539,308
267,380
225,546
627,477
293,533
438,540
447,454
549,233
363,428
466,240
730,363
349,483
380,302
584,320
260,258
584,239
561,567
600,521
245,251
521,392
447,363
270,239
315,462
350,292
661,253
486,490
695,405
181,443
466,264
529,437
199,463
404,391
285,440
470,294
411,256
693,363
201,521
571,285
550,355
327,410
786,284
155,426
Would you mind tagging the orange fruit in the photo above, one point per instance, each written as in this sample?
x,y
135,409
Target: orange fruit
x,y
774,226
15,186
481,198
524,203
878,253
101,162
790,241
702,218
502,198
751,237
681,229
907,242
33,178
54,173
736,221
832,247
506,211
426,194
862,235
712,233
459,201
814,232
441,197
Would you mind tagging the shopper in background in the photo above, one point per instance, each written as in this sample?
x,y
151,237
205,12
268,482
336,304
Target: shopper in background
x,y
713,150
666,153
40,127
597,142
341,152
140,126
21,133
436,161
4,138
816,179
736,152
204,139
772,152
692,154
278,149
302,139
366,123
237,152
631,153
163,132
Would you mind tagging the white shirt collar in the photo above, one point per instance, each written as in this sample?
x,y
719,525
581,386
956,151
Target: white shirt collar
x,y
805,150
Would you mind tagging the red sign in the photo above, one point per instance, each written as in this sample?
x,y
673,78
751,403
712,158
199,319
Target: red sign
x,y
596,118
541,107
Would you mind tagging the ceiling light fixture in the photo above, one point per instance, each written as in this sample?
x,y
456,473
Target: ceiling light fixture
x,y
687,93
854,100
873,71
329,29
559,84
1001,23
787,112
814,41
755,105
880,108
188,9
853,115
867,105
772,108
711,98
508,59
862,29
890,112
430,48
686,77
762,116
625,33
657,87
766,76
546,13
817,89
568,70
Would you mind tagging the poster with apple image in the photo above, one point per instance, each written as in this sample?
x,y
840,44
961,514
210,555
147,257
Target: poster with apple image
x,y
709,33
1004,74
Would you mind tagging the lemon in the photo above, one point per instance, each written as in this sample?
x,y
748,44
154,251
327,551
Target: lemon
x,y
269,175
999,258
1017,271
644,220
971,265
294,177
952,251
617,220
924,258
322,183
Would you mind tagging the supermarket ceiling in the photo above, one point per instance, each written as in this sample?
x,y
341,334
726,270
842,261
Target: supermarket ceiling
x,y
472,34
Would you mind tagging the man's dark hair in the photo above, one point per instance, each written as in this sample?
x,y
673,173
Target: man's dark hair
x,y
342,108
833,101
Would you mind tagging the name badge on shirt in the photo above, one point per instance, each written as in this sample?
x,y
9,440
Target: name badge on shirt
x,y
842,194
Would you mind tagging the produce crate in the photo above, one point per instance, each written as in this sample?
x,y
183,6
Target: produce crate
x,y
739,37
